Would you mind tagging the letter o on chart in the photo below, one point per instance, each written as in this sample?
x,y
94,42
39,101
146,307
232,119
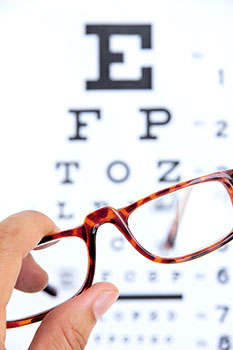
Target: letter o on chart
x,y
118,171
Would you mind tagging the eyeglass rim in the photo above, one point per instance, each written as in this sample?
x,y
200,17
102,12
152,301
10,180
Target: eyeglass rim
x,y
224,177
119,217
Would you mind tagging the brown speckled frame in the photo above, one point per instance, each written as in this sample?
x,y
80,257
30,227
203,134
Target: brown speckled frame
x,y
119,218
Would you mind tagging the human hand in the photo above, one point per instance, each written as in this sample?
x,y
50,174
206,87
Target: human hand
x,y
68,326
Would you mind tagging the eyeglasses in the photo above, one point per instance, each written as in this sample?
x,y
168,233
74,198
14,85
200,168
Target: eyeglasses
x,y
173,225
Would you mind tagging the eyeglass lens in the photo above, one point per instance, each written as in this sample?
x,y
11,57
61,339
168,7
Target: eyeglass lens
x,y
184,221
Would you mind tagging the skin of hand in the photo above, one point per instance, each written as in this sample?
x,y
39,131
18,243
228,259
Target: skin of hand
x,y
68,326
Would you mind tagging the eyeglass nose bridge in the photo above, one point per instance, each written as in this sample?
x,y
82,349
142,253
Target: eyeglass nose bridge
x,y
113,216
105,215
118,218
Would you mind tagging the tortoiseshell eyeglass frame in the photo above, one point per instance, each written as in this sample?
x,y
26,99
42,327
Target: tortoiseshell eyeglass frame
x,y
119,217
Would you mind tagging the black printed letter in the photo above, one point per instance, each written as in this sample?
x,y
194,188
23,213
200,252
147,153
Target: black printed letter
x,y
106,57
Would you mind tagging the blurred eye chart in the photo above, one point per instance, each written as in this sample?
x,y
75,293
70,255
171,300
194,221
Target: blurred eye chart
x,y
103,103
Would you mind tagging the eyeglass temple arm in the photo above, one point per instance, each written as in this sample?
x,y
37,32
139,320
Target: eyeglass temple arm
x,y
180,207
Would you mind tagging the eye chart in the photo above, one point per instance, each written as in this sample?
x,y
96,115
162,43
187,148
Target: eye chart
x,y
104,103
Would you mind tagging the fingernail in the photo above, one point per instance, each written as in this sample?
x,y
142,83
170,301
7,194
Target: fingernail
x,y
103,302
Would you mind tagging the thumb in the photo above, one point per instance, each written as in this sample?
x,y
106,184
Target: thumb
x,y
69,325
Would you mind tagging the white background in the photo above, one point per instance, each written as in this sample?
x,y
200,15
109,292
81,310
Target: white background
x,y
46,59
